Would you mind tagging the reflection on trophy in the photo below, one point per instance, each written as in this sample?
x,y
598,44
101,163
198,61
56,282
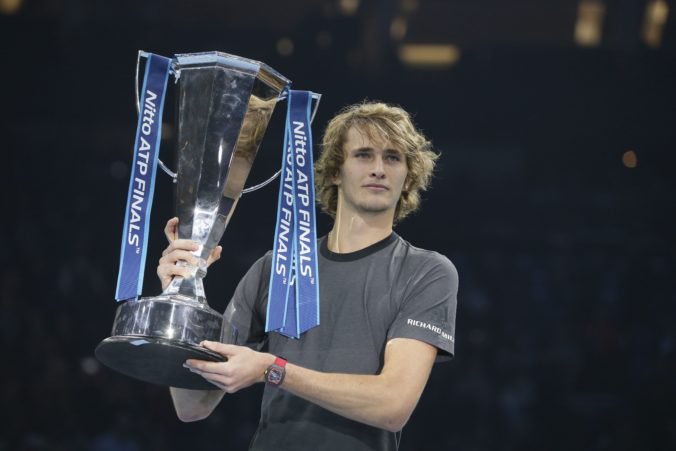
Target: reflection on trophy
x,y
224,106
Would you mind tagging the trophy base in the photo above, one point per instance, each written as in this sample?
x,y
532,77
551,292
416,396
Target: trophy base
x,y
156,360
152,337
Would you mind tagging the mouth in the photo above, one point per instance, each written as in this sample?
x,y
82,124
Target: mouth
x,y
376,187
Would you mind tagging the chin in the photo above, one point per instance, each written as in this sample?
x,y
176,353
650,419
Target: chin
x,y
376,208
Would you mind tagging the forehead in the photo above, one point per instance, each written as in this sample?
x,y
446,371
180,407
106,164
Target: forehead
x,y
367,137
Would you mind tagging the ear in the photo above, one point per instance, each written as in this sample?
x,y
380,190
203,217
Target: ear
x,y
336,179
407,185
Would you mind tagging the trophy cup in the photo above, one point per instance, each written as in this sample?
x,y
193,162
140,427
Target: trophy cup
x,y
224,106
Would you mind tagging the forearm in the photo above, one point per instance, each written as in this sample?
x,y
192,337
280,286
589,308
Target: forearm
x,y
385,400
194,405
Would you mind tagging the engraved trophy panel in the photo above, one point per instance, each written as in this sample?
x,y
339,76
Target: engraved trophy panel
x,y
224,105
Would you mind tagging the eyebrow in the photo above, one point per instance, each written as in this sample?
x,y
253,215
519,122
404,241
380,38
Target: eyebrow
x,y
370,149
397,151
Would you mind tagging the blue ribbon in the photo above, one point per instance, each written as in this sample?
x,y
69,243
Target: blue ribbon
x,y
293,297
142,181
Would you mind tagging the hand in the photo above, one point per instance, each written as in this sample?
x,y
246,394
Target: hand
x,y
180,250
244,366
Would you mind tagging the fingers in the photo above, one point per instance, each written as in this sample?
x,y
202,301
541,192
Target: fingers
x,y
218,368
243,368
177,251
217,373
182,248
185,245
166,272
203,367
167,262
216,379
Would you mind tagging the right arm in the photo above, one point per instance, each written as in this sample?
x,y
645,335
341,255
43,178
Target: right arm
x,y
190,405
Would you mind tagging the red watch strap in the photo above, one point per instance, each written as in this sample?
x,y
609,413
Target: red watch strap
x,y
280,362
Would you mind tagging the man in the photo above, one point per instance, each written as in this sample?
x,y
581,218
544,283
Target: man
x,y
387,308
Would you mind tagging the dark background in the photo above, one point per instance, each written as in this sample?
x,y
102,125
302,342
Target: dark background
x,y
567,303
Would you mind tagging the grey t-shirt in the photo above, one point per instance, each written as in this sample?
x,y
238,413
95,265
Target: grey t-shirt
x,y
388,290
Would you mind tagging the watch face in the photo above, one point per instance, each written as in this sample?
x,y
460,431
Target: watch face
x,y
275,375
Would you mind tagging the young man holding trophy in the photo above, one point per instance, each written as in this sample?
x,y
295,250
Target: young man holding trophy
x,y
387,308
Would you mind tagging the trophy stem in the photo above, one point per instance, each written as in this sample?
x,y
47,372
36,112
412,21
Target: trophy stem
x,y
191,288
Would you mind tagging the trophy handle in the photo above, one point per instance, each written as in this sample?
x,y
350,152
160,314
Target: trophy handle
x,y
144,54
317,98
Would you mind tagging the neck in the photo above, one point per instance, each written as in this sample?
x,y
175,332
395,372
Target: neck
x,y
352,232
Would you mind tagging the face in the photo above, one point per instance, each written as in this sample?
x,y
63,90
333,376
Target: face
x,y
372,177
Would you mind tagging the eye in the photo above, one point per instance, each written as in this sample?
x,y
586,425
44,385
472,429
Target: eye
x,y
362,154
393,157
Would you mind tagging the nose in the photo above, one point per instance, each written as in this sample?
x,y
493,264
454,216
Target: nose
x,y
378,169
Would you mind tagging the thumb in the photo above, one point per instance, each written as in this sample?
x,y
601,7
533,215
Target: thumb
x,y
215,255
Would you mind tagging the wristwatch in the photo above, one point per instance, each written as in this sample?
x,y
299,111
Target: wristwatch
x,y
275,373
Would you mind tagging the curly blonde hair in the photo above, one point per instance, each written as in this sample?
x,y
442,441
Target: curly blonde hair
x,y
383,122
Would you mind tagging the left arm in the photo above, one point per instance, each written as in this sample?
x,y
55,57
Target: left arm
x,y
385,400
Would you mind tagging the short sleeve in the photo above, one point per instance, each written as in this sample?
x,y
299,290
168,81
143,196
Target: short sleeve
x,y
427,312
244,320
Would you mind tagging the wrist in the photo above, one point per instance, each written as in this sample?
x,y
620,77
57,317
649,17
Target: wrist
x,y
268,359
275,372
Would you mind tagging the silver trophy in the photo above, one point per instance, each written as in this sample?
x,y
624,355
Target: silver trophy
x,y
224,106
